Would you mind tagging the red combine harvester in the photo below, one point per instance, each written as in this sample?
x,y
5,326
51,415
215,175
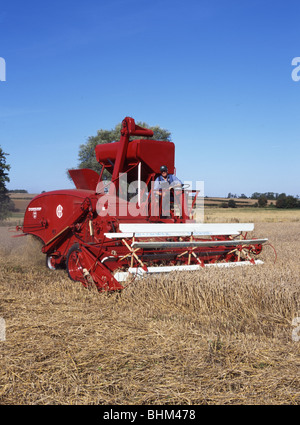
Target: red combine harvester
x,y
102,236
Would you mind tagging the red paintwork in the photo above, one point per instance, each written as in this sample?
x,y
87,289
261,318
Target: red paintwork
x,y
41,218
140,150
84,178
72,231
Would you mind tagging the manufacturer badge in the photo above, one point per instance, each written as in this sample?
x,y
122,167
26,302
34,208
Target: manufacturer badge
x,y
59,211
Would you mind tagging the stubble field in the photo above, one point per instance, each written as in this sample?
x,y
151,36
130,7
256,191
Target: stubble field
x,y
218,336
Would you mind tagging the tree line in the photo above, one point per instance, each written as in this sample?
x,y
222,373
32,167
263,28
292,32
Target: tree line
x,y
6,204
281,200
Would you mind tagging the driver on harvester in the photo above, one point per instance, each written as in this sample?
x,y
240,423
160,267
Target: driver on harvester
x,y
166,181
163,183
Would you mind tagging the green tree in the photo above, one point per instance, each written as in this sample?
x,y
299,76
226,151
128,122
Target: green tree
x,y
231,203
231,195
5,201
262,200
287,201
255,195
281,201
271,196
291,202
86,155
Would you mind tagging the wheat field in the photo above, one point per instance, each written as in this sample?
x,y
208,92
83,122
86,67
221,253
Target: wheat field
x,y
217,336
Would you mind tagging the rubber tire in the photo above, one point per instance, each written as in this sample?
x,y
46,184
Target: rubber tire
x,y
48,263
73,248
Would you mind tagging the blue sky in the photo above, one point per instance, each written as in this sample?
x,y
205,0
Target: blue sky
x,y
216,73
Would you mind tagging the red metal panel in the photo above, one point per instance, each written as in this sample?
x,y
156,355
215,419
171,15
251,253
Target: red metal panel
x,y
84,178
108,151
153,153
49,213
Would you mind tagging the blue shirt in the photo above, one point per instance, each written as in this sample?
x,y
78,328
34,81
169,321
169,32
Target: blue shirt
x,y
161,183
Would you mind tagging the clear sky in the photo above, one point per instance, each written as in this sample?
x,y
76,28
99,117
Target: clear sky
x,y
215,73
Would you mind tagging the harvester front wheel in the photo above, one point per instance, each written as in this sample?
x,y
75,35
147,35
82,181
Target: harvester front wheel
x,y
73,264
50,263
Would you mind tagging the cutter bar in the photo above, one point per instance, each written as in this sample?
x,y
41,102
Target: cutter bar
x,y
140,272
